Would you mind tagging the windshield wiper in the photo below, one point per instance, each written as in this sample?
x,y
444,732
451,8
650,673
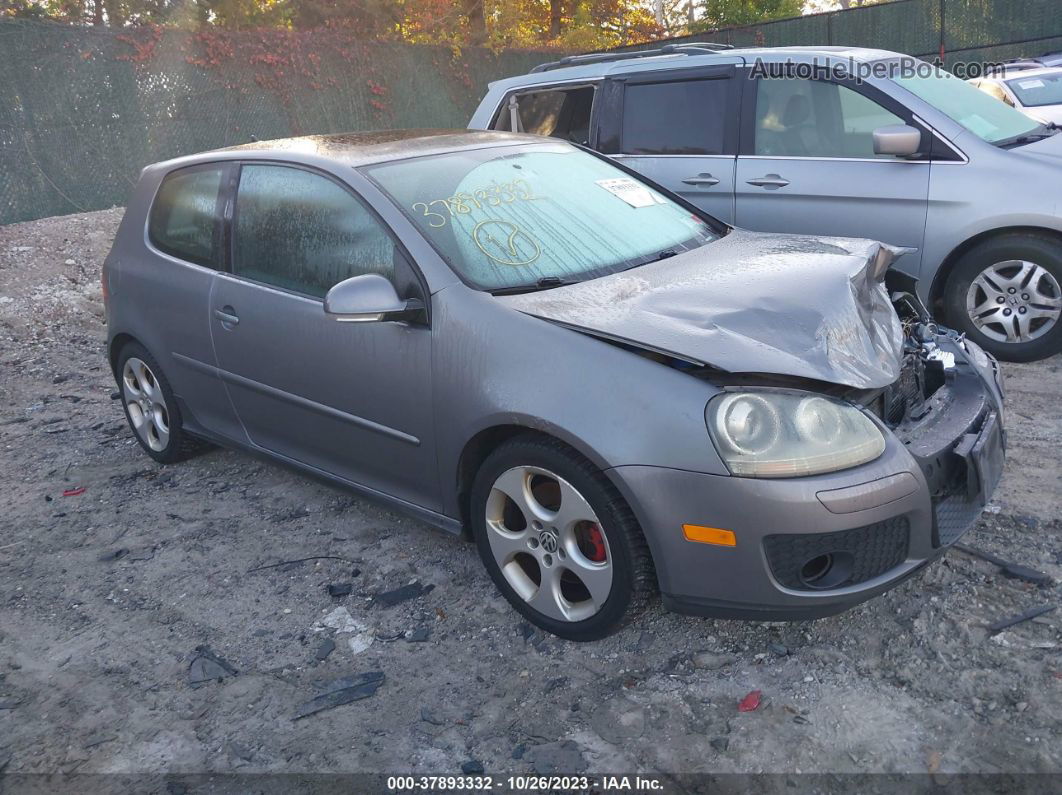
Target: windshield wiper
x,y
1044,131
545,283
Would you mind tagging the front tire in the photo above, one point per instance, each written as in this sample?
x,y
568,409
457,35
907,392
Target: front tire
x,y
150,407
1005,294
558,539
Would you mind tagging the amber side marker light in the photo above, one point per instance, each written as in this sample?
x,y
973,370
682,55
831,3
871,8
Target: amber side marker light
x,y
709,535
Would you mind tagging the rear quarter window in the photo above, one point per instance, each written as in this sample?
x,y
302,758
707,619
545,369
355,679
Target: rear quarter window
x,y
184,220
675,118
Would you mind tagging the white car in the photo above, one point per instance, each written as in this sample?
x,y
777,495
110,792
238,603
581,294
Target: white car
x,y
1035,92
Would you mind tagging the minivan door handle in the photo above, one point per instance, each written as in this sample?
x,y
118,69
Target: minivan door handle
x,y
771,182
701,179
227,315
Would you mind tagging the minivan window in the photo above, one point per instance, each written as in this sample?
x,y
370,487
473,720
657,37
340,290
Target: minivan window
x,y
814,118
512,216
557,113
303,232
184,220
684,117
1039,90
984,116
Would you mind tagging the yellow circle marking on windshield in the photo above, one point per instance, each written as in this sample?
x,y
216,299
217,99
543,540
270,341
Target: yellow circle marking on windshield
x,y
505,242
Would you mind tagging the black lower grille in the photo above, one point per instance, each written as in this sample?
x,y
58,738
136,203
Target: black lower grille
x,y
803,561
955,514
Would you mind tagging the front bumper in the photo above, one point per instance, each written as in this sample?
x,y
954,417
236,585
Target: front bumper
x,y
874,525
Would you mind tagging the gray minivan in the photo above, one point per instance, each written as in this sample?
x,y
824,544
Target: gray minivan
x,y
833,141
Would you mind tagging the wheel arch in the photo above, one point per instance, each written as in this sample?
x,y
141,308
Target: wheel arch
x,y
940,279
486,441
114,349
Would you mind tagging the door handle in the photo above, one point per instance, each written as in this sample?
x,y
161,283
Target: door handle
x,y
771,182
227,315
701,179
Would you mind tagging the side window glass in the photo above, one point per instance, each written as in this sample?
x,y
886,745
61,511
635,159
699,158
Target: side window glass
x,y
687,117
184,219
302,232
810,118
558,114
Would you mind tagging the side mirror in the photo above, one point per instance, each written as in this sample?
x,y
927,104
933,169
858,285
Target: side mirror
x,y
901,140
368,298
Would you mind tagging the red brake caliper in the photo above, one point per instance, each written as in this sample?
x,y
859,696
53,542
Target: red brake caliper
x,y
596,543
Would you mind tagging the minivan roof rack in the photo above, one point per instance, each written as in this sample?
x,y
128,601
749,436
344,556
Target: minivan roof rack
x,y
691,48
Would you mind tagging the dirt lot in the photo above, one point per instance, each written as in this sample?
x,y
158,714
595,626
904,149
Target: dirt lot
x,y
106,595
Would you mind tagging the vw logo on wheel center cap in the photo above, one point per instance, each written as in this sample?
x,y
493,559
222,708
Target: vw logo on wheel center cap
x,y
548,540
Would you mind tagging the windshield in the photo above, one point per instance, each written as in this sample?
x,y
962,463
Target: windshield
x,y
1035,92
981,114
531,215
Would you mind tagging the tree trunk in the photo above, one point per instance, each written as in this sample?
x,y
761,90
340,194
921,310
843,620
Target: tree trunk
x,y
97,12
555,9
477,23
115,13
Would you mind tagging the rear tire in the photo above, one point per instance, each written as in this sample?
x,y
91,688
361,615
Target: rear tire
x,y
1005,294
151,409
567,552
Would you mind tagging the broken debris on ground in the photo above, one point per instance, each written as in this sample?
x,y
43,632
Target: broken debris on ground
x,y
341,691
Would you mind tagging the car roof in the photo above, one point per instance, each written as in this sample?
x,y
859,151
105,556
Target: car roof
x,y
360,148
694,58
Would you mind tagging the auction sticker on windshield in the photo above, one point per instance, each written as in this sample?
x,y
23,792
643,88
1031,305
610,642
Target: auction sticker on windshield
x,y
630,191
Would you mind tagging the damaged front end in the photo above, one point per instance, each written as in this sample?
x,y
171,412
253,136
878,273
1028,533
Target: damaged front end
x,y
946,408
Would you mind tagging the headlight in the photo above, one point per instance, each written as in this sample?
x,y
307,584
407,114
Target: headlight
x,y
782,435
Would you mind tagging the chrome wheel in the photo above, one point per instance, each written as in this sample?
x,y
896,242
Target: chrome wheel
x,y
548,544
146,405
1014,301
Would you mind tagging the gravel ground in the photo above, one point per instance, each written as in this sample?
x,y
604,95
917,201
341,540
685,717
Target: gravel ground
x,y
105,597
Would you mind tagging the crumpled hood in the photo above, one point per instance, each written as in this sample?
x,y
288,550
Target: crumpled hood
x,y
748,303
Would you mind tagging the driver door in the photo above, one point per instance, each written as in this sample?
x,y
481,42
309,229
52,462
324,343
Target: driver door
x,y
350,399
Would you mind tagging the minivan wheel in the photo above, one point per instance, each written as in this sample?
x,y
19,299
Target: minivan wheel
x,y
150,407
1005,294
559,541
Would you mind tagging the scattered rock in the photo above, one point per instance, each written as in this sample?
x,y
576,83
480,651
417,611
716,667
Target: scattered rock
x,y
338,589
720,743
472,767
327,647
778,649
419,635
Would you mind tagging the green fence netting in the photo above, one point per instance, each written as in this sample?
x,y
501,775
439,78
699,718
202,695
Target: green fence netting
x,y
82,110
972,29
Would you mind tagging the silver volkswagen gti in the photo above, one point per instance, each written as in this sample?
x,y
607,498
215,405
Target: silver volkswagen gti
x,y
511,337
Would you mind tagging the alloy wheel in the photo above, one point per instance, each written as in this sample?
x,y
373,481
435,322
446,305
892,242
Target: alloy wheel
x,y
146,405
548,543
1014,301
